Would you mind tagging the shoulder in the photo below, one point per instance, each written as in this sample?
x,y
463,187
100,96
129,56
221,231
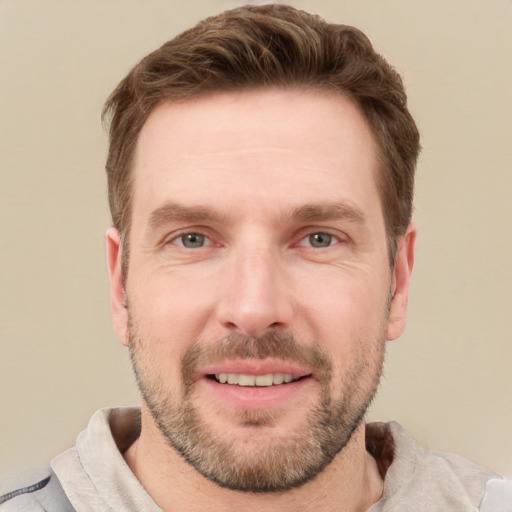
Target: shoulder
x,y
33,491
498,496
436,480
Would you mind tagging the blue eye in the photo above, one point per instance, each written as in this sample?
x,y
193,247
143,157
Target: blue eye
x,y
192,240
320,240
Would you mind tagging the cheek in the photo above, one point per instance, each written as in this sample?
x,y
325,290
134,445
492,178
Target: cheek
x,y
347,301
348,318
173,304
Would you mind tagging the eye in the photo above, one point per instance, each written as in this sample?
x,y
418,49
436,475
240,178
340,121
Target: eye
x,y
319,240
192,240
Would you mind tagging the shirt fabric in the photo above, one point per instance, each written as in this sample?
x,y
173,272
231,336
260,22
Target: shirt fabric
x,y
93,476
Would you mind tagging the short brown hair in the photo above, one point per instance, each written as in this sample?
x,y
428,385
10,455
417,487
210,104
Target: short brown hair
x,y
268,46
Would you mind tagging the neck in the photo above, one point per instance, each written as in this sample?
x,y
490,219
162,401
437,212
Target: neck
x,y
351,482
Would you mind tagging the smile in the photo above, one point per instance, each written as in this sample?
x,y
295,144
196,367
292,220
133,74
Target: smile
x,y
256,385
242,379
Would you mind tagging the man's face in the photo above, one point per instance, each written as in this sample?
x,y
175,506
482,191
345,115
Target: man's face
x,y
259,289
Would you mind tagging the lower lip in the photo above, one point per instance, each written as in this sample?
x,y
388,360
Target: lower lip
x,y
256,397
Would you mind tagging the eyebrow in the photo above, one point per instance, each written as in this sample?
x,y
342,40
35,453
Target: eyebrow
x,y
320,212
172,212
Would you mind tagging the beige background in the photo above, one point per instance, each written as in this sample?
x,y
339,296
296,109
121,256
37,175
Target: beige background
x,y
449,379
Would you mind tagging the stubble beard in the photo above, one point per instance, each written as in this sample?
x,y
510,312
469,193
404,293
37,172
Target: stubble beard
x,y
278,464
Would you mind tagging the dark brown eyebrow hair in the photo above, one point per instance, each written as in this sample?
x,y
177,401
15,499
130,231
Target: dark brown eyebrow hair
x,y
171,212
329,211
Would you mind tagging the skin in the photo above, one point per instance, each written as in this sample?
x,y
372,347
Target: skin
x,y
255,160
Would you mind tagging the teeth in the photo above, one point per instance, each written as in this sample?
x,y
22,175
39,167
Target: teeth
x,y
264,380
254,380
246,380
232,378
278,378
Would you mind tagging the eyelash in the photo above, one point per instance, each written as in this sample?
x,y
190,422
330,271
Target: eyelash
x,y
332,239
176,240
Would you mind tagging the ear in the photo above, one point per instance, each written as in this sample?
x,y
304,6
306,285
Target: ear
x,y
118,308
404,261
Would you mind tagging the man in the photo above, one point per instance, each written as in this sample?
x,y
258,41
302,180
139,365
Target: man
x,y
260,172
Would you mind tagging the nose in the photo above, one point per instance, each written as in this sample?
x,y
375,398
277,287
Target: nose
x,y
255,298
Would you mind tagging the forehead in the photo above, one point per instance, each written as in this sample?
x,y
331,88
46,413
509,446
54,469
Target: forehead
x,y
284,146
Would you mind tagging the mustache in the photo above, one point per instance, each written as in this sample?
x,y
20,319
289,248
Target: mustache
x,y
270,345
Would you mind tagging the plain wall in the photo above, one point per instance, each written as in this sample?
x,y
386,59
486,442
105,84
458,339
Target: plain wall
x,y
449,378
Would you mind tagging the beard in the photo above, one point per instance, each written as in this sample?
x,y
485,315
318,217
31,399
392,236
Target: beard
x,y
261,463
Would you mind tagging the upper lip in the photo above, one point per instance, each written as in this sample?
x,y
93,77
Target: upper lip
x,y
255,367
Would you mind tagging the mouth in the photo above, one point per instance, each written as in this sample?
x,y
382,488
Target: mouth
x,y
265,380
256,384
